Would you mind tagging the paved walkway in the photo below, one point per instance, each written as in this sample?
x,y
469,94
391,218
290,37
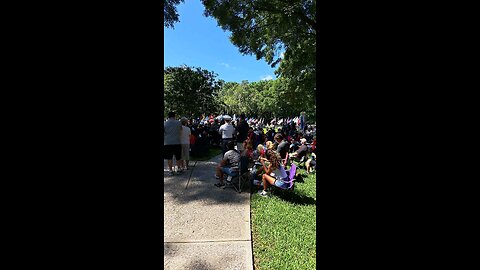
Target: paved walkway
x,y
205,227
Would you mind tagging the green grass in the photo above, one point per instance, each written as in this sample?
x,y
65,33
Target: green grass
x,y
212,152
284,227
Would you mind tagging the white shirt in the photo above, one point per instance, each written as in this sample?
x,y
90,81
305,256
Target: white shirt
x,y
280,173
185,137
227,131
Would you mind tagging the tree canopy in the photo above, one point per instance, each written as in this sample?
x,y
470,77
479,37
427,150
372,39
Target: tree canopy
x,y
190,91
280,31
194,91
170,15
272,98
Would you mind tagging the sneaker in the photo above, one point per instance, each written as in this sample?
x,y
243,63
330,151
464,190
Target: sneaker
x,y
220,185
217,177
262,193
170,173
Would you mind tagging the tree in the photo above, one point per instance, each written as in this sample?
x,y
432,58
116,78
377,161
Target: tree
x,y
190,91
266,28
273,98
170,15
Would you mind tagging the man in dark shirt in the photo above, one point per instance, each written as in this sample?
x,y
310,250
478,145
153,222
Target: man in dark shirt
x,y
283,145
242,129
302,151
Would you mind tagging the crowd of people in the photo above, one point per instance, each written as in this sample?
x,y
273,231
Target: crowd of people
x,y
271,144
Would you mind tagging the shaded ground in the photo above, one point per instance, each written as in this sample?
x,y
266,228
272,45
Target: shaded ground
x,y
205,227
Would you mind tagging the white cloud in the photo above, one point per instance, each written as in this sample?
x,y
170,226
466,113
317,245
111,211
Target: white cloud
x,y
266,77
225,65
282,55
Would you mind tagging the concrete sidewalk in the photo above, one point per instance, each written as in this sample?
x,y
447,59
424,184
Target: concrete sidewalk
x,y
205,227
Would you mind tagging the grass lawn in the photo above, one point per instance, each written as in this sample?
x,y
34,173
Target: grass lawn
x,y
212,152
283,227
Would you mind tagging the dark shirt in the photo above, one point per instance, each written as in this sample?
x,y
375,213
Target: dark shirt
x,y
282,148
270,135
242,131
302,151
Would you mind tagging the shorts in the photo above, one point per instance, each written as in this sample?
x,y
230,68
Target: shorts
x,y
229,171
281,184
172,150
185,154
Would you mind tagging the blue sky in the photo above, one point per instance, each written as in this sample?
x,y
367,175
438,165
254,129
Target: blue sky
x,y
197,41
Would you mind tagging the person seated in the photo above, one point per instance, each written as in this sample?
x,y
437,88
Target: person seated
x,y
302,151
294,145
247,149
282,147
311,163
275,174
229,165
269,145
259,152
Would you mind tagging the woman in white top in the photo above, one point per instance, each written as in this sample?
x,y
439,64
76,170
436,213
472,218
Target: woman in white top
x,y
276,168
185,145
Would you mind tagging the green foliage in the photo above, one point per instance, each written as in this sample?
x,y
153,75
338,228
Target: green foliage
x,y
284,228
266,28
170,15
190,91
273,98
193,91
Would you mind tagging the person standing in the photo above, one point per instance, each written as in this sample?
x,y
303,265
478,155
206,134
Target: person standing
x,y
185,144
302,122
226,130
242,129
172,130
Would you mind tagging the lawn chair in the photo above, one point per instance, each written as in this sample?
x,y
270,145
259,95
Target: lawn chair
x,y
242,177
291,178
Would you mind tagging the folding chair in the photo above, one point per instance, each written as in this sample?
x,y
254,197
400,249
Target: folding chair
x,y
242,177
